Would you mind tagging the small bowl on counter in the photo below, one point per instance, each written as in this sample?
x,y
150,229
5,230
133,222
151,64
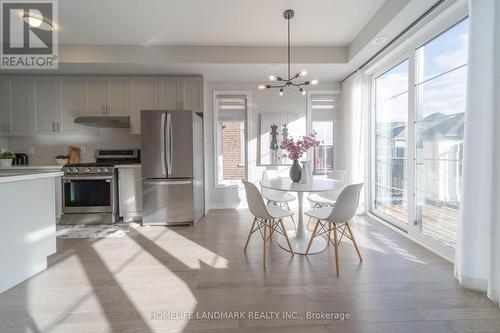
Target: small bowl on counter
x,y
61,161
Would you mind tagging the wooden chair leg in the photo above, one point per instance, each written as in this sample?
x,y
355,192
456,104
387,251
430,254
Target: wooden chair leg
x,y
354,241
250,234
312,237
286,236
336,247
264,242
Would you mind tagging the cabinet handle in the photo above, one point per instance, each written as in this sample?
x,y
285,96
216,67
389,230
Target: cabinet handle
x,y
102,109
58,127
53,126
107,107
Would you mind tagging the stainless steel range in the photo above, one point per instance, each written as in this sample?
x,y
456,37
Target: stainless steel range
x,y
89,189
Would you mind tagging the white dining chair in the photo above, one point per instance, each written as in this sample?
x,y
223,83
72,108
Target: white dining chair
x,y
266,218
274,197
337,219
324,199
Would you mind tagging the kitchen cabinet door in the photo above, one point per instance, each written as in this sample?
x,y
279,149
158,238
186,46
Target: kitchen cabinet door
x,y
72,94
117,97
129,193
192,94
21,97
45,111
169,95
4,106
95,97
143,96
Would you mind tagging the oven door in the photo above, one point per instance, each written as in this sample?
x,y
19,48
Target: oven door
x,y
88,194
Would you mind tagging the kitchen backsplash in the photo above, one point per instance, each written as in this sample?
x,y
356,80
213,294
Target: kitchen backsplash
x,y
42,149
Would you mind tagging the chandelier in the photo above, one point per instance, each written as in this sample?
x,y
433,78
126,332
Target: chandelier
x,y
290,81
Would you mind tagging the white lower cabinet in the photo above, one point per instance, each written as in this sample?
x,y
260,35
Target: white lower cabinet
x,y
129,193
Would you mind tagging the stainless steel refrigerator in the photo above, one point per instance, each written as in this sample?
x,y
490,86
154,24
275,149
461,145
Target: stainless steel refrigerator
x,y
172,167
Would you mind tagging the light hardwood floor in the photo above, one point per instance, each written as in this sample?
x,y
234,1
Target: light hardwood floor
x,y
115,284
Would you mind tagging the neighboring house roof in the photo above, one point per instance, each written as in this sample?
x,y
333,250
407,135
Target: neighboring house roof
x,y
435,124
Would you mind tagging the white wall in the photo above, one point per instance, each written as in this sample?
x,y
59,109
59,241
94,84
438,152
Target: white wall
x,y
260,101
48,146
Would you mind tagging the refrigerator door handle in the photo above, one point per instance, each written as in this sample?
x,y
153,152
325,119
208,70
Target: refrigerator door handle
x,y
163,167
167,182
170,138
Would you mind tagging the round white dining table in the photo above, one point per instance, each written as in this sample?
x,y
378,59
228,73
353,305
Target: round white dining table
x,y
300,237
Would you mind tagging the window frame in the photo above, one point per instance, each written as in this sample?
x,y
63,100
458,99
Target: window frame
x,y
216,137
337,135
439,25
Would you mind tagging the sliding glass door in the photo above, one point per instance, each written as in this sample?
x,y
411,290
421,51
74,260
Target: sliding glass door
x,y
418,115
389,158
440,83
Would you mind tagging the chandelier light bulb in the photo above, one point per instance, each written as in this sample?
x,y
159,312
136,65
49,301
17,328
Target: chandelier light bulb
x,y
272,78
303,72
281,92
302,91
261,86
314,82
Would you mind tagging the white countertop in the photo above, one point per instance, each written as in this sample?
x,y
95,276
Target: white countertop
x,y
8,177
16,168
127,166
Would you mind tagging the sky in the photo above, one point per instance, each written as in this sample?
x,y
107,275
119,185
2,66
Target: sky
x,y
443,94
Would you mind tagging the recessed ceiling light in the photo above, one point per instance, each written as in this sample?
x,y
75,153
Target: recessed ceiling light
x,y
38,21
274,67
379,40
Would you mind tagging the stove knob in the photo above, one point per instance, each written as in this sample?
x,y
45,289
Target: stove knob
x,y
87,170
105,170
74,170
98,170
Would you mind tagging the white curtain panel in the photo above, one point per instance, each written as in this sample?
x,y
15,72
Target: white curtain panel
x,y
477,262
355,132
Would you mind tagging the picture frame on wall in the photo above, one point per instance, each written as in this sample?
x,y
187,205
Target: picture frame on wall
x,y
274,127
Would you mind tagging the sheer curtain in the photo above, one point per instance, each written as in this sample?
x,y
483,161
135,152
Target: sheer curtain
x,y
477,262
355,133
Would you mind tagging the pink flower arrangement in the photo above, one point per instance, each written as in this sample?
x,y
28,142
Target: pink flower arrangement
x,y
297,148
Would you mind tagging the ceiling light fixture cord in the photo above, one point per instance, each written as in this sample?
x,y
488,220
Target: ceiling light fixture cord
x,y
289,49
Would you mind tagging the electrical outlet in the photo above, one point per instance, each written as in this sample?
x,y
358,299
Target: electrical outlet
x,y
83,150
31,150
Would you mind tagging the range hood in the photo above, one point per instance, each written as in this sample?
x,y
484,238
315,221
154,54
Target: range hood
x,y
104,122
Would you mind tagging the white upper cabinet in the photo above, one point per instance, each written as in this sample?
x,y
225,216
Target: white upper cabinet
x,y
95,97
21,97
117,97
46,119
143,96
71,94
169,94
192,94
50,104
4,106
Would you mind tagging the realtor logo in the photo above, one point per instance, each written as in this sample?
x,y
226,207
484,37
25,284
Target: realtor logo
x,y
29,34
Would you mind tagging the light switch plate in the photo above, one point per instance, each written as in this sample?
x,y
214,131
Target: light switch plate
x,y
31,150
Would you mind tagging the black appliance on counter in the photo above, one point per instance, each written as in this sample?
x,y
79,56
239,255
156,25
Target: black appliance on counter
x,y
21,159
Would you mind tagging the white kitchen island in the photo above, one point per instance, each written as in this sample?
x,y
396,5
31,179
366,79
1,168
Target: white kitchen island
x,y
28,222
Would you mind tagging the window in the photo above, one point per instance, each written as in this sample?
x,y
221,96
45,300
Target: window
x,y
231,113
324,114
389,180
441,77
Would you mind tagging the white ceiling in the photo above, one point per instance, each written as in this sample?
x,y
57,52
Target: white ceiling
x,y
212,22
